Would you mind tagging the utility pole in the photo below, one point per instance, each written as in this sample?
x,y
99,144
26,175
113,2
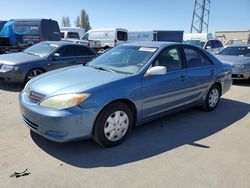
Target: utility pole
x,y
200,19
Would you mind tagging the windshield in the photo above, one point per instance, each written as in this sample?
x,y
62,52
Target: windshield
x,y
195,42
41,49
236,51
124,59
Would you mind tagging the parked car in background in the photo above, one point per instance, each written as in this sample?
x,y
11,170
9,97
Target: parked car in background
x,y
204,40
239,57
128,85
2,24
72,32
237,42
18,34
108,37
155,35
42,57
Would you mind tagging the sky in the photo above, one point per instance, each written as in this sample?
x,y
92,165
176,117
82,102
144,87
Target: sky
x,y
133,14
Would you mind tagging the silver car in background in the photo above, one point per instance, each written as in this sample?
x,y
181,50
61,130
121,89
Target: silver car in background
x,y
239,57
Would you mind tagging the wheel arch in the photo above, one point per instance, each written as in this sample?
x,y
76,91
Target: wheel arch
x,y
126,101
219,85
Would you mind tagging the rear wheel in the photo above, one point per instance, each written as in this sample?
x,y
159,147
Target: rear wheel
x,y
212,98
113,125
33,73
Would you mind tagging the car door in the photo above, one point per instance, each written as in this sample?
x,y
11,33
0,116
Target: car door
x,y
64,57
200,72
164,92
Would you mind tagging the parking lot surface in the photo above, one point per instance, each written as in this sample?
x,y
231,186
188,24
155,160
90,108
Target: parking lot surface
x,y
188,149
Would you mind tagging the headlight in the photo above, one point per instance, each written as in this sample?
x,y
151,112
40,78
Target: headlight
x,y
8,68
64,101
239,66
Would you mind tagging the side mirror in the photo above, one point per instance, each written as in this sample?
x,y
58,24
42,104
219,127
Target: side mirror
x,y
56,56
208,47
157,70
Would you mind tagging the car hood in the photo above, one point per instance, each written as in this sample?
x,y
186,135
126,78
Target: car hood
x,y
233,59
71,80
18,58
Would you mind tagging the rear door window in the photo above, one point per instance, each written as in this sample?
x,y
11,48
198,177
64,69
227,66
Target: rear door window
x,y
194,58
84,51
122,36
67,51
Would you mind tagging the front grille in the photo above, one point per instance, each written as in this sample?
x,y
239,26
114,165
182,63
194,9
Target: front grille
x,y
35,97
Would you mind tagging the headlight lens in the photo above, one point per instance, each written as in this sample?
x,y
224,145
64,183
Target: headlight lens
x,y
239,66
8,68
64,101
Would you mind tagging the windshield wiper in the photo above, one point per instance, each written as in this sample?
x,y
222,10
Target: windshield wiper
x,y
29,53
103,69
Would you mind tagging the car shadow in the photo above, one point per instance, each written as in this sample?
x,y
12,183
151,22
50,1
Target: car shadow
x,y
13,87
244,83
150,139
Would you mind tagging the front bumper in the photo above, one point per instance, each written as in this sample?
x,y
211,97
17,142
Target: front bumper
x,y
238,74
57,125
12,76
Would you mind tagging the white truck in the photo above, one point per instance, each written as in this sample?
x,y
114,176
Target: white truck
x,y
72,32
108,37
75,34
155,35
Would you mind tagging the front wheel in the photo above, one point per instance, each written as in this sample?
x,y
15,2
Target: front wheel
x,y
33,73
113,125
212,98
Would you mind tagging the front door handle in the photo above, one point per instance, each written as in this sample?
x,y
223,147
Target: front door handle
x,y
212,72
182,77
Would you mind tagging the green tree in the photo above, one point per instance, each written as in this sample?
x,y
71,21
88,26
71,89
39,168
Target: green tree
x,y
77,22
65,21
83,20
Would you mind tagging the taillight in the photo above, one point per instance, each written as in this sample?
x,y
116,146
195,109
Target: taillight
x,y
115,42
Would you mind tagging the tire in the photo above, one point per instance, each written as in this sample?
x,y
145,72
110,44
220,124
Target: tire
x,y
108,129
212,98
33,73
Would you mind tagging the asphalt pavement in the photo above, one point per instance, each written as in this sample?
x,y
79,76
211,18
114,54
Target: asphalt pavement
x,y
191,148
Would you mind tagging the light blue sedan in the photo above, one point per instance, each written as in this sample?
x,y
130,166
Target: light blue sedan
x,y
129,85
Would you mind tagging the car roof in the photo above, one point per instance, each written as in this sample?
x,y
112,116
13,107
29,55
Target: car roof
x,y
151,44
62,43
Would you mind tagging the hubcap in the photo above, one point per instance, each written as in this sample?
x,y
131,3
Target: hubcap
x,y
116,126
34,73
213,98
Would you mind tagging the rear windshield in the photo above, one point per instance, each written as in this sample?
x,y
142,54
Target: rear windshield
x,y
236,51
26,29
73,35
122,36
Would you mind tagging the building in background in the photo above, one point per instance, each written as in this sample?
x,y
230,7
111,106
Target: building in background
x,y
233,37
